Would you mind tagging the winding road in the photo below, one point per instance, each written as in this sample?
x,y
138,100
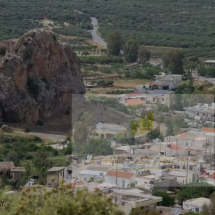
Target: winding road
x,y
95,36
94,33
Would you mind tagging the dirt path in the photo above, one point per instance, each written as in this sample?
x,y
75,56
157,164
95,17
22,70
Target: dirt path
x,y
53,137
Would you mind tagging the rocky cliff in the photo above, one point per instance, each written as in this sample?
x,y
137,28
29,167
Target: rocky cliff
x,y
38,76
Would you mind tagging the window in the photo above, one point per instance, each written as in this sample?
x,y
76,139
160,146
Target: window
x,y
186,144
123,183
163,99
188,153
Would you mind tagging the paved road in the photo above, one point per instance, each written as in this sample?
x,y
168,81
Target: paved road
x,y
95,36
197,77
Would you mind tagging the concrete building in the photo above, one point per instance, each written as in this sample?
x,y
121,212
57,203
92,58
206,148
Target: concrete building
x,y
210,63
209,177
109,131
146,97
17,173
104,187
195,205
91,175
183,176
164,97
168,81
55,175
132,66
195,140
123,150
135,198
201,112
120,178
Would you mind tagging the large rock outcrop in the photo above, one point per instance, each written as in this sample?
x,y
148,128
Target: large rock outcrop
x,y
38,76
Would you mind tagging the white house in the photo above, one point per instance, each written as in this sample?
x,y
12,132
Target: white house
x,y
183,176
195,205
202,111
168,81
87,175
134,198
120,178
210,63
209,177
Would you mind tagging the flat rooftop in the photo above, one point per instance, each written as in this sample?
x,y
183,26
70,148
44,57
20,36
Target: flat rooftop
x,y
199,201
110,127
210,61
56,169
135,196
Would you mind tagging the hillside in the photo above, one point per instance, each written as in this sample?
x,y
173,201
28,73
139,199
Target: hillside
x,y
38,76
185,24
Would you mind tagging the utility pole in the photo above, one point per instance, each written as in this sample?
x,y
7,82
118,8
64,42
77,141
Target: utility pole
x,y
187,173
205,146
177,147
116,169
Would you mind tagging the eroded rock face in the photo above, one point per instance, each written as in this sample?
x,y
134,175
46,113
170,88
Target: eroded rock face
x,y
38,76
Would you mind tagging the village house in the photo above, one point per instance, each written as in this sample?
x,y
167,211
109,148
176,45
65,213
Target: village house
x,y
9,169
183,176
209,177
17,173
103,187
91,175
109,131
146,97
201,111
168,81
210,63
134,198
120,178
171,211
55,175
195,205
132,66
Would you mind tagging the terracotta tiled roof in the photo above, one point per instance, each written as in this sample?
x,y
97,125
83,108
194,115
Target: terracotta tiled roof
x,y
135,102
212,176
173,146
182,135
78,183
120,174
208,129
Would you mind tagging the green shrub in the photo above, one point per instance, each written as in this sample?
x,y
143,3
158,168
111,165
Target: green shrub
x,y
26,55
27,130
67,112
40,122
33,87
3,51
37,139
57,201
